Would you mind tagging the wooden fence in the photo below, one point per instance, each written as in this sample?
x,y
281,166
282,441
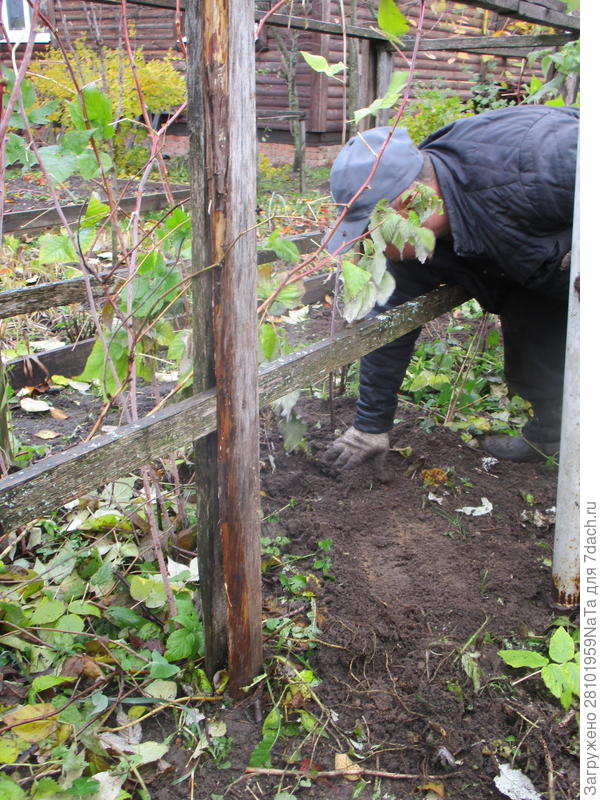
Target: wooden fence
x,y
221,417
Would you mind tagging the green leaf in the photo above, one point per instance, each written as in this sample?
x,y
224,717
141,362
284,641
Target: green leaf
x,y
570,675
43,682
320,64
396,86
56,248
161,668
390,19
147,752
553,678
184,644
82,787
355,279
293,430
96,211
87,164
16,149
98,110
59,164
46,612
45,788
9,790
125,617
148,591
84,609
261,755
284,249
76,141
268,341
561,647
523,658
9,751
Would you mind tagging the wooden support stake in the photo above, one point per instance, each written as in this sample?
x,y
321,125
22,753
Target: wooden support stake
x,y
222,61
210,555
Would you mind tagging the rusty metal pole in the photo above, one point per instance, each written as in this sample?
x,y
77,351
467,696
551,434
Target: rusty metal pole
x,y
565,562
221,81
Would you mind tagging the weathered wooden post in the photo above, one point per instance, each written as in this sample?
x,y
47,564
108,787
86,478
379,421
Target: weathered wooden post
x,y
565,561
221,84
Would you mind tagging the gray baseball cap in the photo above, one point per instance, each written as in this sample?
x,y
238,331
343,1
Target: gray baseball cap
x,y
399,165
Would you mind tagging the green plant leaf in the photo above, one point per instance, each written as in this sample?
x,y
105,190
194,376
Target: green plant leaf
x,y
9,790
284,249
553,678
261,755
9,751
561,647
161,668
390,19
356,279
148,591
570,675
184,644
59,164
75,141
56,248
523,658
47,611
96,211
268,341
124,617
43,682
320,64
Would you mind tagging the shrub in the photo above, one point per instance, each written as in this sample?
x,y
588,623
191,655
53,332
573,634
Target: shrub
x,y
430,110
163,86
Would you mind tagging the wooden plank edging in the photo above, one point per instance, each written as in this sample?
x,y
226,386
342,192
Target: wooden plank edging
x,y
42,488
62,293
34,220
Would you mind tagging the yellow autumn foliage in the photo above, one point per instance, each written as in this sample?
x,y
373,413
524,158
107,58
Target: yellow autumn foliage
x,y
162,84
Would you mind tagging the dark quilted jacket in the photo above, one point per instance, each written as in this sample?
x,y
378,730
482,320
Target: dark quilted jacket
x,y
508,181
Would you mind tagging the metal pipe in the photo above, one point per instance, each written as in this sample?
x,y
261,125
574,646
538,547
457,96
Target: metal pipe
x,y
565,562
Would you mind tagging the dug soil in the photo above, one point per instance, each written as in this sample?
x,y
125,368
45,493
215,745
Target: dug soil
x,y
421,598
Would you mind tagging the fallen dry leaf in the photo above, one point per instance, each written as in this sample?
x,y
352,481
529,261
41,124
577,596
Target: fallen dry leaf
x,y
46,434
435,787
58,413
343,761
34,406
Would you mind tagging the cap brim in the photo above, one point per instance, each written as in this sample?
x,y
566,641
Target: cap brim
x,y
346,236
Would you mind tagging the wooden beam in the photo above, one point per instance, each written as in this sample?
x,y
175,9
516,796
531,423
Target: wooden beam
x,y
34,369
225,65
50,483
63,293
37,219
518,9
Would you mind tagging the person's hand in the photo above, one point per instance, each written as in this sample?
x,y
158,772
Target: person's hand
x,y
355,447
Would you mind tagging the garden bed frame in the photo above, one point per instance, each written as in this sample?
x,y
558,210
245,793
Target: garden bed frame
x,y
222,417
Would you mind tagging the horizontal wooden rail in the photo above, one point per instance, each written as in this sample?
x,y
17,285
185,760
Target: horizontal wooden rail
x,y
69,360
34,220
42,488
518,9
63,293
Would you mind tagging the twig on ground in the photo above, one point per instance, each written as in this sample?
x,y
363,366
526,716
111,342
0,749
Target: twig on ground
x,y
341,773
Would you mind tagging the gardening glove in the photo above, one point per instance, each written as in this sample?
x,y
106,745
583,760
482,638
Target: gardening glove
x,y
355,447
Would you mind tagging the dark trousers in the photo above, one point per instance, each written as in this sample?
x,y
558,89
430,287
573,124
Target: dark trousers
x,y
534,332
